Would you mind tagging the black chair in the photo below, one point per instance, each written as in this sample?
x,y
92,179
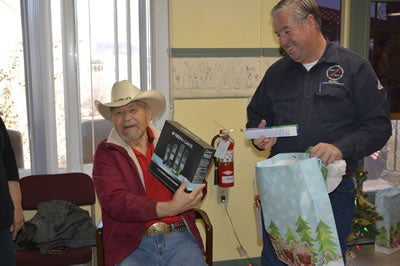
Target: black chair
x,y
201,215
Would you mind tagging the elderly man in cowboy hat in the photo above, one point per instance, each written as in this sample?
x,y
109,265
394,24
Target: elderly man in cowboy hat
x,y
144,222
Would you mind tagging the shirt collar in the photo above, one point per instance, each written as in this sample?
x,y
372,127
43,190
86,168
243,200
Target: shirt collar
x,y
330,54
150,135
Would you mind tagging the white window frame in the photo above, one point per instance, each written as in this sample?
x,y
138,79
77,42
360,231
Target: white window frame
x,y
39,77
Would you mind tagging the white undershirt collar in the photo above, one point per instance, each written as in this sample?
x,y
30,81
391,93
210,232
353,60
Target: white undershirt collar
x,y
308,66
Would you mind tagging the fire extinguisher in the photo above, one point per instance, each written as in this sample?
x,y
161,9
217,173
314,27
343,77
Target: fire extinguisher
x,y
223,159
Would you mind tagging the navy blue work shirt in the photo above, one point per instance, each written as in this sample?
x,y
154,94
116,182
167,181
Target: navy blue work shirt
x,y
339,101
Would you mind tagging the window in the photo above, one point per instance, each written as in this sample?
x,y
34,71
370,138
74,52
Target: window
x,y
109,50
330,14
12,85
384,55
94,43
384,48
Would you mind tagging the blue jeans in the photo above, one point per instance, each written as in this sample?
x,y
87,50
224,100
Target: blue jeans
x,y
342,201
176,248
343,204
7,251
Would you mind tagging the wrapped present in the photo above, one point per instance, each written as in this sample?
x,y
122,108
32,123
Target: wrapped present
x,y
387,202
297,211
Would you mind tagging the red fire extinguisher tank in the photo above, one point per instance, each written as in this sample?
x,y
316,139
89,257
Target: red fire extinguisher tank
x,y
224,168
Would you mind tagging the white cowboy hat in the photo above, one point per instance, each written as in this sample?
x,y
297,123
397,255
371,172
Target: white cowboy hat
x,y
123,92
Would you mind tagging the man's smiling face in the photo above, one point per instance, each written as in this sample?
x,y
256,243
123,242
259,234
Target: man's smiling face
x,y
131,120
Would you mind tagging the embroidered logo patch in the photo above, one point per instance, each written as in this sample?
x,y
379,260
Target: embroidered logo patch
x,y
334,72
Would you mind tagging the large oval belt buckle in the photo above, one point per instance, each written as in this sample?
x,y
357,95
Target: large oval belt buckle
x,y
159,228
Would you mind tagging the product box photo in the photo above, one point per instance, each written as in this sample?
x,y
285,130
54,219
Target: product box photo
x,y
180,153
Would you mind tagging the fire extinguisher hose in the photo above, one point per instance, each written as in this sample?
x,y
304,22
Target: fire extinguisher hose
x,y
215,159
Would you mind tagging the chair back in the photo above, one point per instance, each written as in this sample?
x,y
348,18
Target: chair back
x,y
77,188
17,145
92,133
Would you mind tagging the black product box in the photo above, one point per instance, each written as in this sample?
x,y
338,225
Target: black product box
x,y
180,153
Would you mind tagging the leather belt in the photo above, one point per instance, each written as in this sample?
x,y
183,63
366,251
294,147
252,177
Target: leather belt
x,y
348,175
164,228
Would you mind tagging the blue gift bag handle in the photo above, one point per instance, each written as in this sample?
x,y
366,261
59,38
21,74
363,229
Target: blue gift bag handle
x,y
322,166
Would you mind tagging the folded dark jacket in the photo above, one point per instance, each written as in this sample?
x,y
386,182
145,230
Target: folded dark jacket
x,y
57,223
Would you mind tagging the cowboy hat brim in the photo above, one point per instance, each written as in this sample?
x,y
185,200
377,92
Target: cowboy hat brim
x,y
154,100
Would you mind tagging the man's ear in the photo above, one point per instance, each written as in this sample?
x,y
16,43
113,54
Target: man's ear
x,y
310,21
149,115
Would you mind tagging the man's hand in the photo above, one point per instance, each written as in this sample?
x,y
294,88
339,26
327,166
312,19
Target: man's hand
x,y
15,192
375,155
181,202
18,222
264,143
328,153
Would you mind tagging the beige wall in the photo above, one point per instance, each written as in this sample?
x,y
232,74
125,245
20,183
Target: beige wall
x,y
224,24
221,24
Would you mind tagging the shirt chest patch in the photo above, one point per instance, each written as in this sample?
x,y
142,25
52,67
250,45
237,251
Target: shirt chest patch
x,y
334,73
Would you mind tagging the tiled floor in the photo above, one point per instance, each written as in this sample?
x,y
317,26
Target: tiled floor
x,y
367,256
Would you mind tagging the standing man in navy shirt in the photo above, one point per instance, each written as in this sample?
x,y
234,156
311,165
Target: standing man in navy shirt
x,y
334,97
